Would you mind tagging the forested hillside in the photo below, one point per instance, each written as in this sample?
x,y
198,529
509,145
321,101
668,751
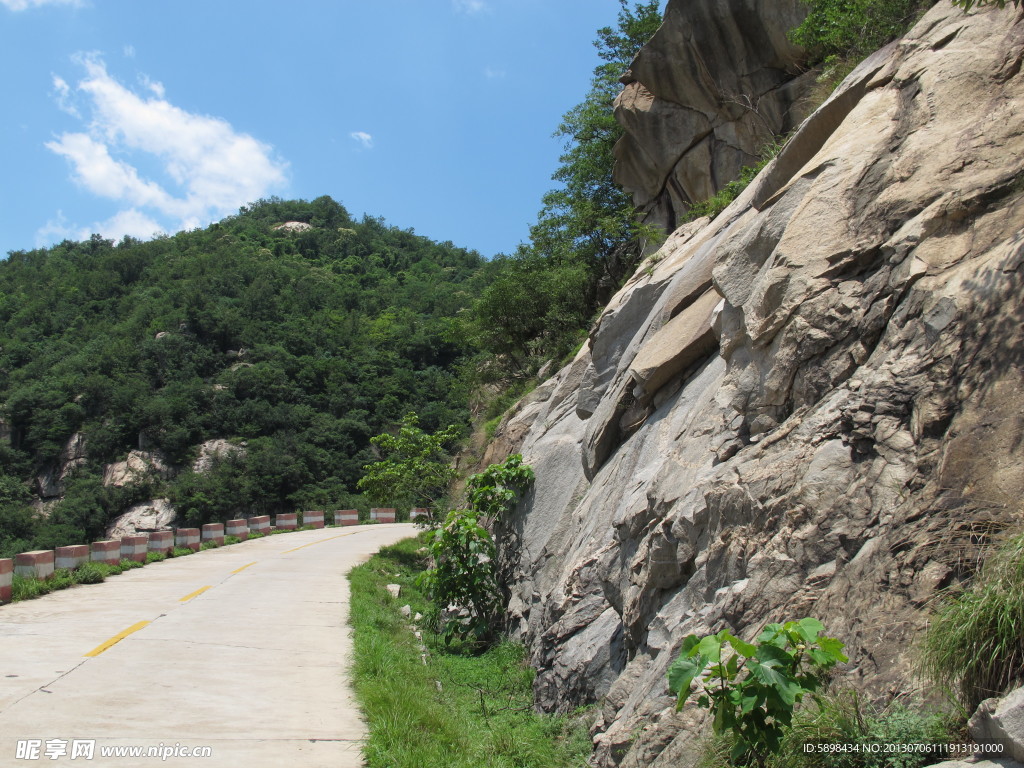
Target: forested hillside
x,y
295,343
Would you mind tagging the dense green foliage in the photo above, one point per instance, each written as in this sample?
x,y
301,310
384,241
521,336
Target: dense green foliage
x,y
415,470
968,4
463,578
753,690
852,29
297,345
974,647
446,709
586,241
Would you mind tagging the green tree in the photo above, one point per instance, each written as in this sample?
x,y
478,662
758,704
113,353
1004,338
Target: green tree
x,y
416,469
586,240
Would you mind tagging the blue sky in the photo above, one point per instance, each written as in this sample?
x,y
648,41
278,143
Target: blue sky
x,y
136,116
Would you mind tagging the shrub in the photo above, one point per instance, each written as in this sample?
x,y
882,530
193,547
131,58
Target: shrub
x,y
843,718
89,573
852,29
464,579
753,691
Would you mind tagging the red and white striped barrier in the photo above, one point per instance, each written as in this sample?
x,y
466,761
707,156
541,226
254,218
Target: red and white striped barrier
x,y
214,532
346,517
417,512
71,557
135,547
108,552
187,538
259,524
315,518
384,515
6,579
161,542
38,564
288,521
238,528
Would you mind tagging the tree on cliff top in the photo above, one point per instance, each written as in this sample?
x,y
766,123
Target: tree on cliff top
x,y
586,240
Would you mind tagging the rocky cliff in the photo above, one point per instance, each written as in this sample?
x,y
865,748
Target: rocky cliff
x,y
716,83
808,406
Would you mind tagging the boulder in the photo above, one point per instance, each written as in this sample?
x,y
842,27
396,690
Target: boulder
x,y
147,517
1000,721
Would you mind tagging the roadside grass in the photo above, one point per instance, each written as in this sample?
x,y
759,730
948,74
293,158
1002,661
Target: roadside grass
x,y
428,706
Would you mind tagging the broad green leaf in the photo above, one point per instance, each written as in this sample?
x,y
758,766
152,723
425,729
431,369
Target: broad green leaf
x,y
711,647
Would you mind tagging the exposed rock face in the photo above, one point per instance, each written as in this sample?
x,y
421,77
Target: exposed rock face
x,y
147,517
215,449
138,467
50,484
809,406
716,83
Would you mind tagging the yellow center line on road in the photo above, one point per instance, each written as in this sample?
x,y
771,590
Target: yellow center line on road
x,y
296,549
239,570
117,638
197,593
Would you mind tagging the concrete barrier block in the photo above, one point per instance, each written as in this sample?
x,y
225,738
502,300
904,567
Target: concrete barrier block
x,y
288,521
214,532
108,552
314,518
37,564
6,578
71,557
161,541
135,547
383,515
188,537
238,528
417,513
346,517
259,524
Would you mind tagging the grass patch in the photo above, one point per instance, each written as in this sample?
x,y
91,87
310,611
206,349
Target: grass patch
x,y
155,557
974,646
457,710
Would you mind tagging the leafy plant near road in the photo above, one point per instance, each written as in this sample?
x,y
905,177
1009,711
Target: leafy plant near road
x,y
852,732
444,708
464,580
753,690
416,469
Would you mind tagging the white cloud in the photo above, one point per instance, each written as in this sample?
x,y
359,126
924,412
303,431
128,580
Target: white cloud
x,y
365,139
62,93
129,51
469,6
209,168
21,5
493,74
131,222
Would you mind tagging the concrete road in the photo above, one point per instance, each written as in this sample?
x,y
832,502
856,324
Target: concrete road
x,y
243,650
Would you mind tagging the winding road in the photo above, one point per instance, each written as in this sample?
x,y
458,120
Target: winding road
x,y
240,652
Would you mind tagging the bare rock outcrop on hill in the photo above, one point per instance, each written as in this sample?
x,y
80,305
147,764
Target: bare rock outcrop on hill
x,y
716,83
147,517
808,406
